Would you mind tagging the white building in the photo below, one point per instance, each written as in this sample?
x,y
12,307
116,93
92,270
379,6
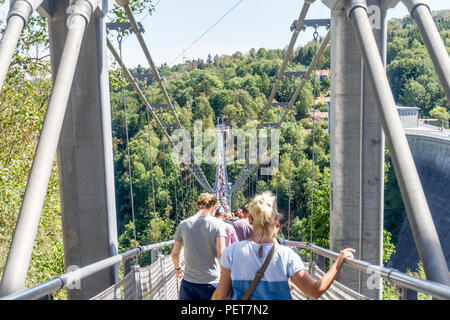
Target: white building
x,y
409,116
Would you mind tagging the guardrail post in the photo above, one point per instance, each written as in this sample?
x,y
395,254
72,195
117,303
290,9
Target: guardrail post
x,y
128,265
407,294
153,255
163,292
321,262
137,281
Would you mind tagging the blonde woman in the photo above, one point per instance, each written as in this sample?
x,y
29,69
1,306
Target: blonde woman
x,y
203,237
242,260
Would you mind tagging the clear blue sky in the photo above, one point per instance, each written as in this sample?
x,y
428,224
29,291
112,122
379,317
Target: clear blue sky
x,y
175,24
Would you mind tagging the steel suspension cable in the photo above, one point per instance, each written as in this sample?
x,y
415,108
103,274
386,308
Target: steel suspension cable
x,y
151,159
192,167
18,15
316,36
119,40
175,189
247,170
205,32
290,183
165,175
20,252
287,55
125,4
306,77
183,202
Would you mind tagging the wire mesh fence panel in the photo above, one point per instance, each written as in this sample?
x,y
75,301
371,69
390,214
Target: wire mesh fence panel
x,y
337,291
117,291
146,283
112,293
159,280
172,282
129,286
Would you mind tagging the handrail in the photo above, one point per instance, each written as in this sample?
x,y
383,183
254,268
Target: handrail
x,y
62,281
427,133
432,288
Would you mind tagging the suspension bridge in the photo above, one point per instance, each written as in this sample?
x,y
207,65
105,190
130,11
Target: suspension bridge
x,y
77,127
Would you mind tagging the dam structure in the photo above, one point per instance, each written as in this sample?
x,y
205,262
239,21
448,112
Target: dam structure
x,y
430,147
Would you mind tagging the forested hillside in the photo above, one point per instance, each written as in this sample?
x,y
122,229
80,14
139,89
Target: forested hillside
x,y
236,87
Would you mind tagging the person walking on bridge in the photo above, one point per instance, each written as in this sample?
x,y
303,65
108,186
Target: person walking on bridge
x,y
244,229
231,233
203,237
242,260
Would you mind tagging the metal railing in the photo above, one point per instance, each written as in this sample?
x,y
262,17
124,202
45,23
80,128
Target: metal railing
x,y
336,291
428,133
436,290
402,280
64,280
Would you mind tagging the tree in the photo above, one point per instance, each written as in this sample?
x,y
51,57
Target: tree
x,y
202,110
261,53
304,104
442,114
221,98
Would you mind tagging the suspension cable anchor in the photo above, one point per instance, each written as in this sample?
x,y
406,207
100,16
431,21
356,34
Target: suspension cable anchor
x,y
123,3
82,8
353,4
316,33
20,8
411,5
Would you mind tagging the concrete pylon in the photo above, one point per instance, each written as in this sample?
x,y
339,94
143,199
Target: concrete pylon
x,y
85,154
357,150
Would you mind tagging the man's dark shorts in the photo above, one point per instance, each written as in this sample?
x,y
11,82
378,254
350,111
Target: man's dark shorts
x,y
196,291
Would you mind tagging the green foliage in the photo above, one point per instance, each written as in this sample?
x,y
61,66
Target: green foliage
x,y
388,246
420,273
22,109
24,98
389,290
319,208
442,114
234,86
394,209
137,7
410,70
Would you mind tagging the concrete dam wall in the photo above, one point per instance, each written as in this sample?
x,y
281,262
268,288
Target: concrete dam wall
x,y
432,157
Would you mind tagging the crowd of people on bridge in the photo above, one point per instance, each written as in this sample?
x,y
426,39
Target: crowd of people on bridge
x,y
223,252
221,191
